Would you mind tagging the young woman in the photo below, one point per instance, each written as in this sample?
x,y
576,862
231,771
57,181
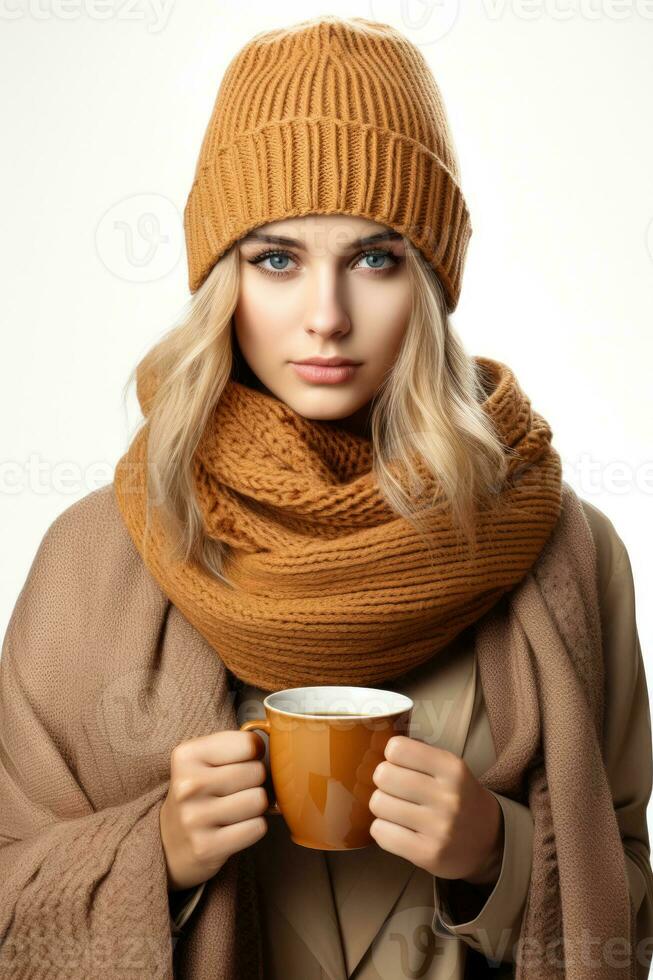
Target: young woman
x,y
396,521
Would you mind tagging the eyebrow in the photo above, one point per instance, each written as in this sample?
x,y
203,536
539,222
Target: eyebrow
x,y
258,236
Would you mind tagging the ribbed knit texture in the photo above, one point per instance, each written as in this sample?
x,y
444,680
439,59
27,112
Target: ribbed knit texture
x,y
331,586
329,116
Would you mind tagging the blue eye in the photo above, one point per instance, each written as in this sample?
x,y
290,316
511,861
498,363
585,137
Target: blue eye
x,y
279,256
378,255
274,256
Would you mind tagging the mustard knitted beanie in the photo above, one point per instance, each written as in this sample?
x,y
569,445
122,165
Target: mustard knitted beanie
x,y
329,116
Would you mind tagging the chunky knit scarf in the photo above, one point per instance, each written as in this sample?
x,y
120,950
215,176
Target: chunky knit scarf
x,y
331,586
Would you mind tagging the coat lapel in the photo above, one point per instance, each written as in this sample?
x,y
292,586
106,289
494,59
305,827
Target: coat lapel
x,y
380,878
368,886
297,882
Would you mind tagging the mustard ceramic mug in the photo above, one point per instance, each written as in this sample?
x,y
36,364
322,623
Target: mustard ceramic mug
x,y
325,743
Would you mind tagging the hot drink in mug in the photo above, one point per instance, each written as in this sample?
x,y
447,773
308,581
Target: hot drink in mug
x,y
325,743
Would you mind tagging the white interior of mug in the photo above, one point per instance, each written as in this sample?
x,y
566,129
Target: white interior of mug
x,y
339,700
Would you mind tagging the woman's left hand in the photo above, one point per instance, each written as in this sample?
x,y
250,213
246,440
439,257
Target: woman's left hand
x,y
431,810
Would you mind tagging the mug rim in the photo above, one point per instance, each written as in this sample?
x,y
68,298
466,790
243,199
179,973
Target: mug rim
x,y
409,704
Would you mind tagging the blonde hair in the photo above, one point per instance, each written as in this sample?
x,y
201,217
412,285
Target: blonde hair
x,y
426,417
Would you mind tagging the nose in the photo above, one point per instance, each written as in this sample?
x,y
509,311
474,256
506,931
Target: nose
x,y
326,314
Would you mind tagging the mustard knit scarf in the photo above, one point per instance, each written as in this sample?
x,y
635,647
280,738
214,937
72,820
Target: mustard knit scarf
x,y
331,586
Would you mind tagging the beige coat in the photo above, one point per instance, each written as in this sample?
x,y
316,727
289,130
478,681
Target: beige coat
x,y
370,915
101,676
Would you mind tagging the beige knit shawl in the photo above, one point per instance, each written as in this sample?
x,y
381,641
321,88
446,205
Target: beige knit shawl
x,y
541,668
83,877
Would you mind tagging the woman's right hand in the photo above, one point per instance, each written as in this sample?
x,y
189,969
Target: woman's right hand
x,y
214,806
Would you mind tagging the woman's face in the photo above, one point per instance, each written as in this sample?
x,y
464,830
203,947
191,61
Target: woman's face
x,y
309,287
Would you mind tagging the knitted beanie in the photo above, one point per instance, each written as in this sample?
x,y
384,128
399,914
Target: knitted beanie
x,y
329,116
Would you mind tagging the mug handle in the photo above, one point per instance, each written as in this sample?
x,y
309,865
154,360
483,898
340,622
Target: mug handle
x,y
264,725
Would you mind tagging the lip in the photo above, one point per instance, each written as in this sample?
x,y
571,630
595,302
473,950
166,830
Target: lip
x,y
327,361
324,373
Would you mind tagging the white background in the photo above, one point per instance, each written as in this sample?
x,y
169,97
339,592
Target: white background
x,y
104,107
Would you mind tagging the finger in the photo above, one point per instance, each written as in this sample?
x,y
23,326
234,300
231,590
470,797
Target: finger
x,y
422,757
415,787
222,748
216,842
225,780
225,810
405,843
406,814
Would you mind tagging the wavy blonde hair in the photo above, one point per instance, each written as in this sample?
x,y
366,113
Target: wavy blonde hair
x,y
427,410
